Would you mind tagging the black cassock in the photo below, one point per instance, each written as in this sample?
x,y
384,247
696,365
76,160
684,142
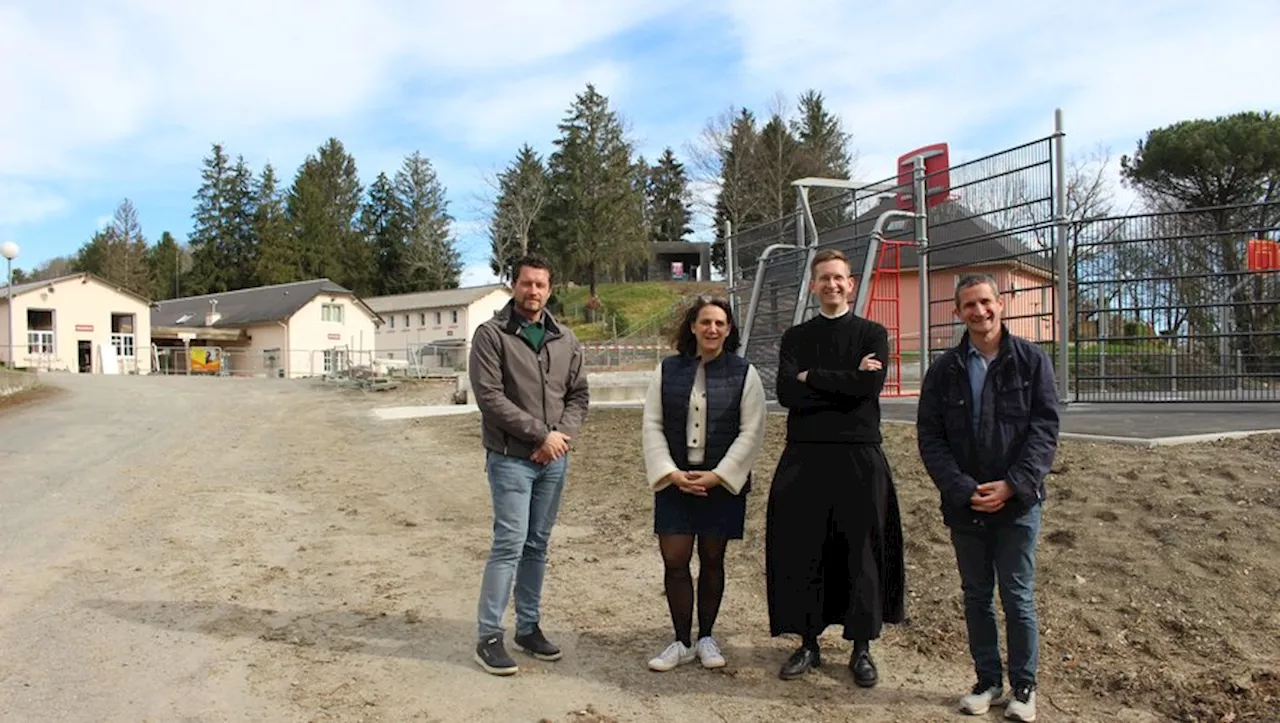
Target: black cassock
x,y
833,539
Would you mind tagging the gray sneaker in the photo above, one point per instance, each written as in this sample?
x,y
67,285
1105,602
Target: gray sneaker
x,y
981,698
492,655
1022,706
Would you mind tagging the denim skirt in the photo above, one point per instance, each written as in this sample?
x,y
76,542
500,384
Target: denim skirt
x,y
720,514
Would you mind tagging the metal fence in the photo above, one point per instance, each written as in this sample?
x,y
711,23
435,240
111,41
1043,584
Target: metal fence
x,y
995,214
1148,307
1167,308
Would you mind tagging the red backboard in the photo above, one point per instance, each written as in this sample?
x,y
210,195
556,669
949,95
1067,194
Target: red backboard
x,y
937,164
1264,255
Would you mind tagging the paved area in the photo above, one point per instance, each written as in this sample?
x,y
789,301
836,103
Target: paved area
x,y
1160,422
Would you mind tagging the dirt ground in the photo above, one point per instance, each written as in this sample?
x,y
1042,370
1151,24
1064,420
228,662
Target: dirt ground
x,y
225,549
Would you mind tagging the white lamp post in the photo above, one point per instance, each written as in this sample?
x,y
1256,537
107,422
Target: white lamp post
x,y
9,250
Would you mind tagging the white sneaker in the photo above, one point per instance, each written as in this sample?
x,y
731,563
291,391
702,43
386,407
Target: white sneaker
x,y
1022,705
980,699
675,654
709,653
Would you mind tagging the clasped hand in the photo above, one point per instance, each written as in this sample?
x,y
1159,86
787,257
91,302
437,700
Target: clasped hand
x,y
694,483
555,446
991,496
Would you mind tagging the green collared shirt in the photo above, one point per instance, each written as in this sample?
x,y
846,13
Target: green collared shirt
x,y
533,332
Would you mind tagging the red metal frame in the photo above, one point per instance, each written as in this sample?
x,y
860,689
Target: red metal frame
x,y
886,289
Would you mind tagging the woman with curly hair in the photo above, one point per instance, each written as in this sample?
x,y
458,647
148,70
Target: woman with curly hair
x,y
703,428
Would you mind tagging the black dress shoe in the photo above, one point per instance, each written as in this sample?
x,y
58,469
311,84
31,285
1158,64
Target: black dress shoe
x,y
800,661
863,667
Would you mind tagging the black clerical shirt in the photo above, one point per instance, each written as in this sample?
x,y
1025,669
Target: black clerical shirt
x,y
836,403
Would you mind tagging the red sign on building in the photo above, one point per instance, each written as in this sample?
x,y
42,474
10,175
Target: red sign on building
x,y
84,327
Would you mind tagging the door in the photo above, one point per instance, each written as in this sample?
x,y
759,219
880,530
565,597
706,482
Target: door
x,y
84,350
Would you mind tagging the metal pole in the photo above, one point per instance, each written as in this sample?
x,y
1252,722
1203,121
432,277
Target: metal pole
x,y
1064,254
756,285
9,355
810,242
922,257
730,284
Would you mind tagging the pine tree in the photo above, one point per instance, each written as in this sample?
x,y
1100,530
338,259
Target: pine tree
x,y
322,209
667,191
213,240
824,145
164,264
431,260
596,203
523,193
278,260
382,225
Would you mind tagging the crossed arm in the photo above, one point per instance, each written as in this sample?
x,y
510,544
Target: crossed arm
x,y
865,381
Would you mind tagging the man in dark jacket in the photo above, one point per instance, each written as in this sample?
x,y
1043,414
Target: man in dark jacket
x,y
529,383
988,432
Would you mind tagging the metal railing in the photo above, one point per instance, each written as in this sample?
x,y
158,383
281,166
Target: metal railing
x,y
1166,307
999,214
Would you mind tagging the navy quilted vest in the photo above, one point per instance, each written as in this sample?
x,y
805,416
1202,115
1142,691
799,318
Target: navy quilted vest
x,y
725,379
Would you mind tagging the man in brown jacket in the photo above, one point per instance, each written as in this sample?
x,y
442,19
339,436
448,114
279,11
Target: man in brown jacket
x,y
528,379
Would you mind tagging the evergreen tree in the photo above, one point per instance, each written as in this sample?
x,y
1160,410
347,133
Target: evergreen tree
x,y
824,145
431,260
667,192
596,203
382,224
523,193
164,265
278,258
322,208
213,239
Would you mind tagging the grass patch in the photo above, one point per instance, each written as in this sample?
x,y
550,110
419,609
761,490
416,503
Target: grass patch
x,y
628,307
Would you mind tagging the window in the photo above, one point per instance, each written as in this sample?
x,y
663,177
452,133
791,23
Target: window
x,y
391,321
122,337
437,318
331,312
39,342
334,361
406,321
422,318
40,331
455,316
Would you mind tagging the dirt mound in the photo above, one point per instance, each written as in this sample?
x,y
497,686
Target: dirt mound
x,y
1157,567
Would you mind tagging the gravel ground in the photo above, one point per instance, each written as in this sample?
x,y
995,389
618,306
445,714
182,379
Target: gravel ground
x,y
240,549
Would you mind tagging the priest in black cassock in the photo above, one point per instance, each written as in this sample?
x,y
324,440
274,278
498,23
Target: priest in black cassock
x,y
833,538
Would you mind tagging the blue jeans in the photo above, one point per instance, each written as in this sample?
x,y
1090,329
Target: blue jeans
x,y
526,497
1003,554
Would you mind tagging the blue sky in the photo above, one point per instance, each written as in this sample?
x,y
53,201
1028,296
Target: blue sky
x,y
122,98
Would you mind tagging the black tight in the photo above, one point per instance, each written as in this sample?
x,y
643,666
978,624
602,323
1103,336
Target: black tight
x,y
677,552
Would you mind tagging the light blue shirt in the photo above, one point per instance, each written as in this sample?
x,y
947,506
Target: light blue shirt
x,y
977,365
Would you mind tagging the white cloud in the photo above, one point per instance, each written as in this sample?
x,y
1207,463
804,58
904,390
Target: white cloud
x,y
21,203
240,69
478,275
901,77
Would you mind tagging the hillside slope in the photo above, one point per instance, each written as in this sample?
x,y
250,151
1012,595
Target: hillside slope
x,y
642,308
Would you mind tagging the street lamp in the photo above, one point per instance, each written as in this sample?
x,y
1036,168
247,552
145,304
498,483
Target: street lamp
x,y
9,250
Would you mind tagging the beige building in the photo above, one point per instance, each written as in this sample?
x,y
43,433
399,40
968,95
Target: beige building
x,y
78,323
303,329
434,329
